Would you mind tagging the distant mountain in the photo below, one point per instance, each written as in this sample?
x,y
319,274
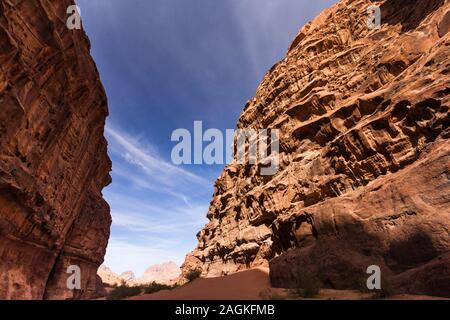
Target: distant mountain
x,y
165,272
162,273
128,276
108,276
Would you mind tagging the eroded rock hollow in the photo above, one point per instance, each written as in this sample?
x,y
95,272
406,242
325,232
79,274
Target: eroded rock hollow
x,y
53,157
364,174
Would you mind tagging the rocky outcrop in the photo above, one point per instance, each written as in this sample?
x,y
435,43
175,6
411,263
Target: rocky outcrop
x,y
128,276
108,276
53,159
166,272
364,174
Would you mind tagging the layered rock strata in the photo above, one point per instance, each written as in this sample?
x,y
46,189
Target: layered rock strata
x,y
53,157
364,177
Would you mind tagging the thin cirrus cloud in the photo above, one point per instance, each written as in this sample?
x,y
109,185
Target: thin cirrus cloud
x,y
159,234
153,204
144,234
150,163
142,223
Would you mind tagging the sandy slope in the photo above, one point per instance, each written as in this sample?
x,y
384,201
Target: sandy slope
x,y
240,286
248,285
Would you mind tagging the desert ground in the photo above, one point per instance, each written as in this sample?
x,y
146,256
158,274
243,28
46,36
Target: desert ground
x,y
252,285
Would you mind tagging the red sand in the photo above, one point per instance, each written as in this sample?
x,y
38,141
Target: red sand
x,y
246,285
251,285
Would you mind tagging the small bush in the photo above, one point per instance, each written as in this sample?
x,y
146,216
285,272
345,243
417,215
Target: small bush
x,y
193,274
124,291
155,287
357,282
308,284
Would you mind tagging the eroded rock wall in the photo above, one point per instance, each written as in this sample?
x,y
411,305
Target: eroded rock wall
x,y
364,156
53,157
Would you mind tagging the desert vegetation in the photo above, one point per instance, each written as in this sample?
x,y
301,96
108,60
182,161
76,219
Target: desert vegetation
x,y
358,282
123,290
193,274
308,284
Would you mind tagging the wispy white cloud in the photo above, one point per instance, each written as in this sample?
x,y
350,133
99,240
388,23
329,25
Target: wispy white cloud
x,y
145,234
156,207
176,220
136,153
141,181
269,26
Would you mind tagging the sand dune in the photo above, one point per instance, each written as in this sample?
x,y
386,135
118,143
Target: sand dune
x,y
246,285
252,285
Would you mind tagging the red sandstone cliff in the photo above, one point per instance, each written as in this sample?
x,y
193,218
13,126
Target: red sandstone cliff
x,y
365,156
53,159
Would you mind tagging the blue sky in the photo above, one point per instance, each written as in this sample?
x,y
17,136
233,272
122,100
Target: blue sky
x,y
165,64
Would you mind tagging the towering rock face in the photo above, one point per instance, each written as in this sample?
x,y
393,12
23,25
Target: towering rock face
x,y
53,159
364,174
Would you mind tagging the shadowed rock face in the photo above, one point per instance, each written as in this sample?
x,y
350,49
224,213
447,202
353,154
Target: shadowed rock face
x,y
53,159
364,173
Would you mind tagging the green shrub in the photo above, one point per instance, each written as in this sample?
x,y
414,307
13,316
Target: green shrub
x,y
308,284
124,291
155,287
357,282
193,274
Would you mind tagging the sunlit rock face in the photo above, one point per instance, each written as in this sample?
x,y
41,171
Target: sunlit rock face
x,y
165,272
109,277
364,174
53,159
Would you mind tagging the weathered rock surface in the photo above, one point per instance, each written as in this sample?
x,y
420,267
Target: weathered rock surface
x,y
108,276
53,159
364,173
